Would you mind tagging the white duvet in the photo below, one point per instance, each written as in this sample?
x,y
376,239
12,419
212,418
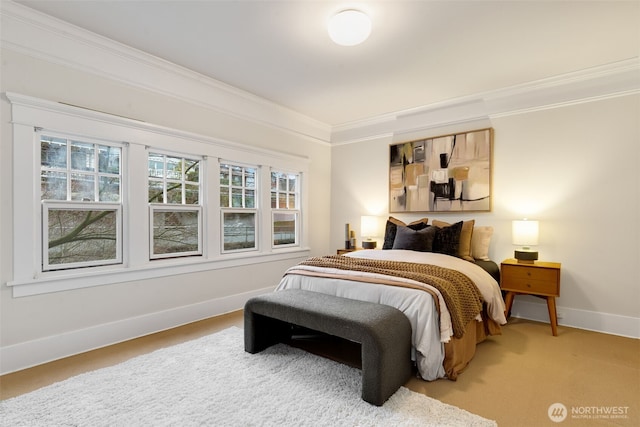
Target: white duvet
x,y
429,330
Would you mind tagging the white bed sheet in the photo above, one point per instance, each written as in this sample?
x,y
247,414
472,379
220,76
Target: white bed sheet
x,y
429,331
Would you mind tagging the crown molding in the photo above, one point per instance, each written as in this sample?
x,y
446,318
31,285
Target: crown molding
x,y
38,35
26,111
607,81
41,36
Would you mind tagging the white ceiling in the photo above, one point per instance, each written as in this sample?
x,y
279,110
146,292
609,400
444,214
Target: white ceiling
x,y
419,52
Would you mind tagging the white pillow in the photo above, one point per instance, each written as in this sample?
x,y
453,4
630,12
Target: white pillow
x,y
480,240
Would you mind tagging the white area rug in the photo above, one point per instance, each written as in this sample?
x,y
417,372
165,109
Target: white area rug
x,y
212,381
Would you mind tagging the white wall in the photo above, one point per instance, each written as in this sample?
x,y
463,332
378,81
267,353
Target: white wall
x,y
580,163
574,168
42,327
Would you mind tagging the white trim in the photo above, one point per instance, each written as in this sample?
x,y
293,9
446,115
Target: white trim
x,y
613,80
29,113
77,279
36,352
606,323
41,36
62,118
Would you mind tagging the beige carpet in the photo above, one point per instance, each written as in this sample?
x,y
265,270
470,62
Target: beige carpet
x,y
513,379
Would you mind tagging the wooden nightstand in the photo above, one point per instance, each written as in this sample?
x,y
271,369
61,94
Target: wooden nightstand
x,y
346,251
540,279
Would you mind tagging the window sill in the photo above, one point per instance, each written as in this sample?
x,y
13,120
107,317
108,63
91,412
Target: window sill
x,y
83,278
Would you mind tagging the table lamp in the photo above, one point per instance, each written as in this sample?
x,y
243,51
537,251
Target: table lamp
x,y
524,233
369,230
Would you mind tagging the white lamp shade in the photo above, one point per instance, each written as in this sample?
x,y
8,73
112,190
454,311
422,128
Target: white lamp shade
x,y
369,226
524,232
349,27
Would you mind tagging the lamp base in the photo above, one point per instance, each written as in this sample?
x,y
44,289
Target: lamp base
x,y
369,244
526,257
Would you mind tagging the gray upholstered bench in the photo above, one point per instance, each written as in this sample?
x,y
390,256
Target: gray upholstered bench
x,y
384,333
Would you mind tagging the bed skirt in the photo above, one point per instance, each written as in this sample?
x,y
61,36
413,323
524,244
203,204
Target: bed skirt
x,y
459,351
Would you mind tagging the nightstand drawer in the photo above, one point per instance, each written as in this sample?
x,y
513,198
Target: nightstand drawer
x,y
540,278
541,287
529,273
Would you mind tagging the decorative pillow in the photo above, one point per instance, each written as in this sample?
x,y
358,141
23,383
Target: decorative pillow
x,y
414,240
447,240
393,223
464,248
480,242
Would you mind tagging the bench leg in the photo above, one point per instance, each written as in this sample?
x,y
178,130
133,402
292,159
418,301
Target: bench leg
x,y
261,332
384,372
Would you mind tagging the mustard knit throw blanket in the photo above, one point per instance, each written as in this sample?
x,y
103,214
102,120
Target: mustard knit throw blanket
x,y
461,295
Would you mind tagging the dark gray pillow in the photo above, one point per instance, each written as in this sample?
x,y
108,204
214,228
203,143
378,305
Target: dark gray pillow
x,y
447,239
393,224
414,240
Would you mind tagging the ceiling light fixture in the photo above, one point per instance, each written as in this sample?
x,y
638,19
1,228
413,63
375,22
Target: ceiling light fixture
x,y
349,27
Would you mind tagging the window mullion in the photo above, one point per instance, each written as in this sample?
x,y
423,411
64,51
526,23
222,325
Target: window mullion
x,y
96,176
165,195
183,177
68,171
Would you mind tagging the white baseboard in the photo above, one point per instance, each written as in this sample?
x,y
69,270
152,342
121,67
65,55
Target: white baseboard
x,y
36,352
613,324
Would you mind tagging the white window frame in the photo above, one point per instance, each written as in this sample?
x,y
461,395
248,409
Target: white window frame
x,y
256,230
161,207
288,210
232,210
69,203
28,114
165,206
296,242
69,170
79,206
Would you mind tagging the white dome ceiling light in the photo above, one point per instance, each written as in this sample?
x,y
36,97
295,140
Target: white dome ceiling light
x,y
349,27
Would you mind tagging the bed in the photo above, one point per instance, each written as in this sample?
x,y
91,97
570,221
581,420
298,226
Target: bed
x,y
446,327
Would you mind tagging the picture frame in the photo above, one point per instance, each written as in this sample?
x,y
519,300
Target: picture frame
x,y
446,173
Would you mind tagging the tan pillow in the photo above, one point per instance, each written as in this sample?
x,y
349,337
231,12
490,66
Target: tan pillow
x,y
464,248
480,242
396,221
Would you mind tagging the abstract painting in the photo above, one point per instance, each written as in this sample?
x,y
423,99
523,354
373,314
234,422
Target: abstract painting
x,y
448,173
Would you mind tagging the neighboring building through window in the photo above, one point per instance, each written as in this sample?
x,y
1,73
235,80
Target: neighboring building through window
x,y
285,208
239,207
81,193
174,206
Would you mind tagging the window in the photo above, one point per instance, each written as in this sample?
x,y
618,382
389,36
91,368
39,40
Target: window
x,y
91,210
285,208
80,192
174,206
239,207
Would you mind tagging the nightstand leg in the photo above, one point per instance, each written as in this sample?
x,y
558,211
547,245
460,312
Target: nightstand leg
x,y
551,305
509,302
